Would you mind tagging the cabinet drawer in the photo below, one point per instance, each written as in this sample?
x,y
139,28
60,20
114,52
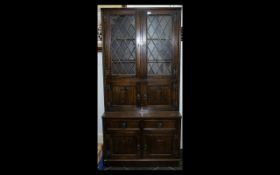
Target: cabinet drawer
x,y
160,124
122,124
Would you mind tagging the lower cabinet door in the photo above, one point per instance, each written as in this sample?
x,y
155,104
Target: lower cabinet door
x,y
124,145
160,145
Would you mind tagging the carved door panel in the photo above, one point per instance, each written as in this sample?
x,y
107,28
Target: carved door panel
x,y
159,145
159,95
123,95
124,145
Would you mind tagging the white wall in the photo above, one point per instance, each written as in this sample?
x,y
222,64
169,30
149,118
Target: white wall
x,y
100,78
100,91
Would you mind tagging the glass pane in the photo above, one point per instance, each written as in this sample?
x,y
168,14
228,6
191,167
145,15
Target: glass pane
x,y
123,46
159,28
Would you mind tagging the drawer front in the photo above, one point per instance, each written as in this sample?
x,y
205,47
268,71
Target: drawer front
x,y
160,124
122,124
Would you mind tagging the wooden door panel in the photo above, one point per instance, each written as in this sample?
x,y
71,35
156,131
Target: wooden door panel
x,y
124,145
158,95
159,145
123,95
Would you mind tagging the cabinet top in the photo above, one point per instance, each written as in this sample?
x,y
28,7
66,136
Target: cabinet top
x,y
142,114
150,8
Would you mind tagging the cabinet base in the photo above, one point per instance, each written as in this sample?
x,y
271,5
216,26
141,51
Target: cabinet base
x,y
142,162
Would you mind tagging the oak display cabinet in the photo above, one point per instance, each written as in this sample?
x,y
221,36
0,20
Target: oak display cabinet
x,y
141,122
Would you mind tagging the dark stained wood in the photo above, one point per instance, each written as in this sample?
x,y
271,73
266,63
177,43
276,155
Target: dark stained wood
x,y
141,123
124,145
123,95
142,162
141,135
161,114
159,123
158,145
142,114
123,124
146,91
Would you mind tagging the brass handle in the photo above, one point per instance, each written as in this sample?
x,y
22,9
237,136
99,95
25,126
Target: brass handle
x,y
124,124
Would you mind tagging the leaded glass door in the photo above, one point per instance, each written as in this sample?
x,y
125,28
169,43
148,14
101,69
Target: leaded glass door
x,y
123,45
121,58
160,59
